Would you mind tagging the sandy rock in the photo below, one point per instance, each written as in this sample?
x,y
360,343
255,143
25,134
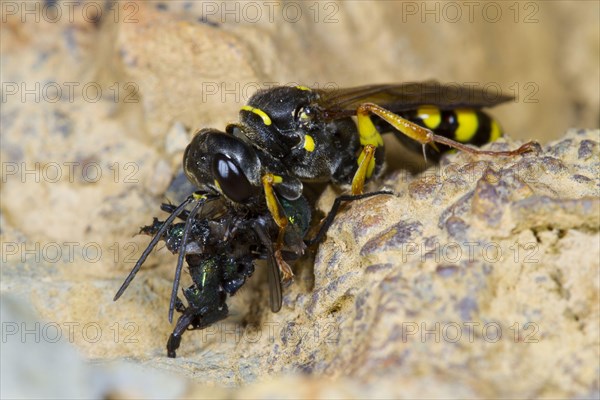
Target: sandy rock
x,y
477,278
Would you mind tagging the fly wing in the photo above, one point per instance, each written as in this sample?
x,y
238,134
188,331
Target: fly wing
x,y
273,274
274,279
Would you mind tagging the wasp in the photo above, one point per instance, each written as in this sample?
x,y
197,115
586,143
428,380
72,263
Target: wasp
x,y
288,136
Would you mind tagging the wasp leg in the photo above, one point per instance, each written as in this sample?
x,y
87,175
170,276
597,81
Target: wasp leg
x,y
369,134
335,209
371,140
366,163
278,214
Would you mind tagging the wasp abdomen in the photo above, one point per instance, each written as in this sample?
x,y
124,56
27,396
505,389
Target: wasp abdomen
x,y
465,125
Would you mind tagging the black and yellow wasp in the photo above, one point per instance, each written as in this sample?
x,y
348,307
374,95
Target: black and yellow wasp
x,y
290,135
287,136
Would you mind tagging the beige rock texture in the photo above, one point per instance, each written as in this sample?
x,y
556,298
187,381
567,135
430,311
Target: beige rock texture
x,y
478,278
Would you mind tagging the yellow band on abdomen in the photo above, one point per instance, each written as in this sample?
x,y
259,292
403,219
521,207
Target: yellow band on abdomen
x,y
467,125
430,115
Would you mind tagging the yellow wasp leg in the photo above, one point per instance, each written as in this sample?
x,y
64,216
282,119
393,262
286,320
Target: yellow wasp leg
x,y
268,181
366,163
370,139
426,136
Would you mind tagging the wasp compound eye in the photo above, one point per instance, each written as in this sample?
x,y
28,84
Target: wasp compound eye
x,y
232,181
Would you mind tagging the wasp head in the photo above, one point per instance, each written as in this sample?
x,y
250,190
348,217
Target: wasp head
x,y
222,163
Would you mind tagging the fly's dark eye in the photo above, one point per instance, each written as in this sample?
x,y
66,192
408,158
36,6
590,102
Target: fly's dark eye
x,y
231,179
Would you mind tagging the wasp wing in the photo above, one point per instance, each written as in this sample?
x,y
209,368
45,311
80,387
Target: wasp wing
x,y
341,103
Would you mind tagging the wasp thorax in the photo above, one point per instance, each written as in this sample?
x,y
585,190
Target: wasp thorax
x,y
272,118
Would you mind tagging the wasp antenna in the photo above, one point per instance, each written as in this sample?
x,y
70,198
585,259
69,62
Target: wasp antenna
x,y
151,246
182,249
